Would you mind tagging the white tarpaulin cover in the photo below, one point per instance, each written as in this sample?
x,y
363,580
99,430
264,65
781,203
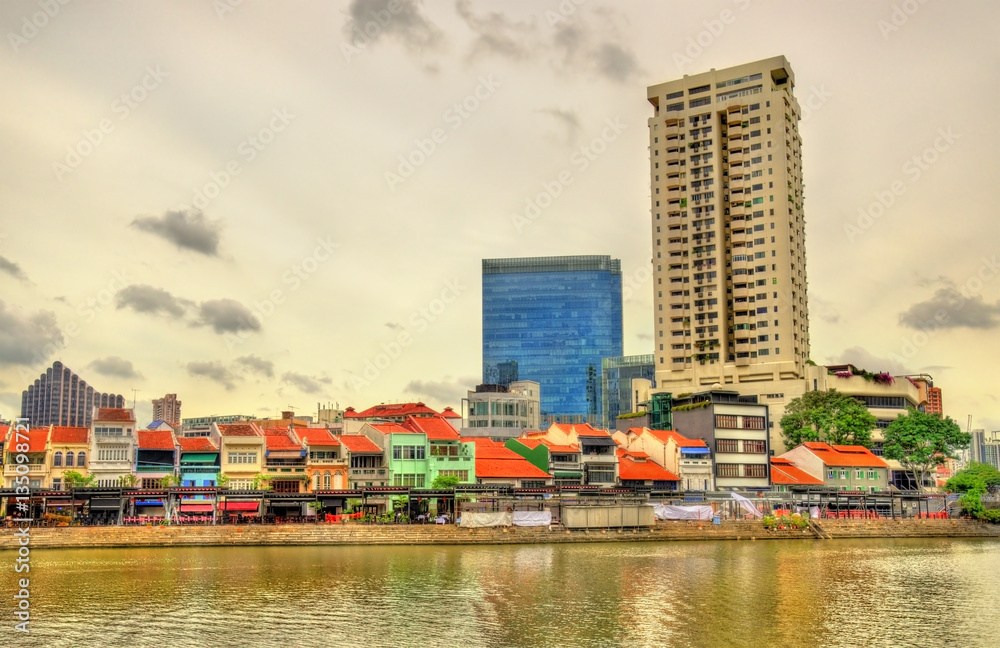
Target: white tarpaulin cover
x,y
747,506
669,512
477,520
533,518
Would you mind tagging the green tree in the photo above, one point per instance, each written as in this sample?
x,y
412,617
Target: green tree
x,y
261,482
170,481
828,416
445,482
75,479
128,481
921,441
975,475
221,480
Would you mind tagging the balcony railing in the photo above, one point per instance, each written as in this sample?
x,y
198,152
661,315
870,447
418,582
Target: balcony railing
x,y
10,470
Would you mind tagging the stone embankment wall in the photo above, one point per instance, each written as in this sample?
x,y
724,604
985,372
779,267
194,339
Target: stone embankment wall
x,y
357,534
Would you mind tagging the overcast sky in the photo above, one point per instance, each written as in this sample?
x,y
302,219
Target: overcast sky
x,y
253,206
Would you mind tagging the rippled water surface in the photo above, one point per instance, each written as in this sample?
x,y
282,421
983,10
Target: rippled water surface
x,y
769,593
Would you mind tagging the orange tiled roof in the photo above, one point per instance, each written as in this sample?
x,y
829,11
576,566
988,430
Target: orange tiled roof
x,y
358,443
847,456
517,467
436,428
394,410
280,440
156,440
239,430
114,414
392,428
317,437
450,413
63,434
196,444
581,429
783,471
629,468
37,438
667,435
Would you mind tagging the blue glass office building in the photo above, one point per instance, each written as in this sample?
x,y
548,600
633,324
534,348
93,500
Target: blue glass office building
x,y
552,320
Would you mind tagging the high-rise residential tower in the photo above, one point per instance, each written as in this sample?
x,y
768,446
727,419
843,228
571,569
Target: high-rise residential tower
x,y
60,397
728,228
167,409
552,320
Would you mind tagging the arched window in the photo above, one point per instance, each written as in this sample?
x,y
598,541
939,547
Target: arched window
x,y
69,459
338,481
316,481
57,459
81,459
326,480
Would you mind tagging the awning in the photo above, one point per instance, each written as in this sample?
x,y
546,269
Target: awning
x,y
331,503
52,503
105,504
563,474
196,508
149,503
285,454
694,450
596,441
240,506
287,504
196,457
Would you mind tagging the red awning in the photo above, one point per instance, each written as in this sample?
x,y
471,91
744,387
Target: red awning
x,y
241,506
196,508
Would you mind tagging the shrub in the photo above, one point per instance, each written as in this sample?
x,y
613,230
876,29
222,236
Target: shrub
x,y
992,516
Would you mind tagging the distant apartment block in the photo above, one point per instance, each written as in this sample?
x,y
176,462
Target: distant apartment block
x,y
60,397
514,407
167,409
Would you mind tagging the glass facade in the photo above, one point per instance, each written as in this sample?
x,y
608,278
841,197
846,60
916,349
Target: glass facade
x,y
552,320
616,385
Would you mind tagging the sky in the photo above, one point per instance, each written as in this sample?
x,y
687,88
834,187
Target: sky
x,y
263,206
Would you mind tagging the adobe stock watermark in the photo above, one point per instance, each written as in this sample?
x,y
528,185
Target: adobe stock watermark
x,y
32,25
293,278
368,33
913,169
898,17
581,159
417,322
455,116
122,107
22,521
563,12
988,269
248,150
713,29
632,282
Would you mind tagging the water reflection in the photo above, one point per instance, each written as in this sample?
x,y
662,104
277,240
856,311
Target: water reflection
x,y
765,593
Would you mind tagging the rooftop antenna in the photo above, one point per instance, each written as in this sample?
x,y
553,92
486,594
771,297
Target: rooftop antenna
x,y
134,391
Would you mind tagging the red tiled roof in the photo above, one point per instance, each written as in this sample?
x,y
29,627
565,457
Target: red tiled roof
x,y
358,443
279,440
63,434
844,455
4,428
196,444
156,440
562,449
531,443
450,413
37,438
495,452
239,430
667,435
635,454
631,469
394,410
581,429
482,442
392,428
317,437
514,468
114,414
783,471
435,427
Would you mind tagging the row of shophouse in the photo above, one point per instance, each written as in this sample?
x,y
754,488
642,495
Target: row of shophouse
x,y
410,445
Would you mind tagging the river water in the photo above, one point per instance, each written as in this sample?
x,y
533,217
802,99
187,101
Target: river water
x,y
765,593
